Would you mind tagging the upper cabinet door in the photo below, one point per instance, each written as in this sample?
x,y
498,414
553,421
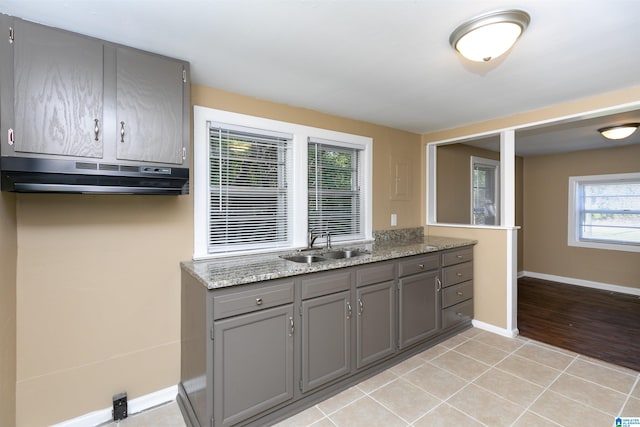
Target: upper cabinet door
x,y
149,107
58,83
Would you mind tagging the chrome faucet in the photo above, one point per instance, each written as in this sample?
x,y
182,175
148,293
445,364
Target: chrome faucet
x,y
311,238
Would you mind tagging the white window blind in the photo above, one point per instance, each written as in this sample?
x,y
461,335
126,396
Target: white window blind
x,y
248,187
334,189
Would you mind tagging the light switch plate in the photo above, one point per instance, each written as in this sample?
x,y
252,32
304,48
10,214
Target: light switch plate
x,y
394,220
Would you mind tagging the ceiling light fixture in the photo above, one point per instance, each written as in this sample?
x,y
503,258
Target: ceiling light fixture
x,y
620,131
488,36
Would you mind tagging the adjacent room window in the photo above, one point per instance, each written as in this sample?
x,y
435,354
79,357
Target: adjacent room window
x,y
248,181
485,191
334,195
604,211
261,184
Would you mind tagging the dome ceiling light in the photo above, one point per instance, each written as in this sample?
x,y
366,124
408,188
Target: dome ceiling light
x,y
488,36
620,131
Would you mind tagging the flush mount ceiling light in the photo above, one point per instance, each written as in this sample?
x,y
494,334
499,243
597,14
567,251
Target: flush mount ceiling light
x,y
620,131
488,36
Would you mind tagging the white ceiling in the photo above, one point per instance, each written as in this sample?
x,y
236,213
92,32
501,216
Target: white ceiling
x,y
386,62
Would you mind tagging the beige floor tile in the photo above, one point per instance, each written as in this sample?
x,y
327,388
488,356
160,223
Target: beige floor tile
x,y
304,418
602,374
558,349
167,415
454,341
433,352
618,368
340,400
485,407
546,356
590,394
325,422
436,381
529,419
446,416
510,387
567,412
407,365
636,391
503,343
461,365
529,370
631,408
377,381
481,352
366,412
405,400
471,332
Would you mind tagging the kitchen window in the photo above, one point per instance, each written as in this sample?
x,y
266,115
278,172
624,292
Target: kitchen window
x,y
485,191
604,212
261,184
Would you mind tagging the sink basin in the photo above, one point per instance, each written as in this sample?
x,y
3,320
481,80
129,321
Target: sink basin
x,y
308,259
346,253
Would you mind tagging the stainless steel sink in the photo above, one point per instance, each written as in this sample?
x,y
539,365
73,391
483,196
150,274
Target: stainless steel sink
x,y
340,254
308,259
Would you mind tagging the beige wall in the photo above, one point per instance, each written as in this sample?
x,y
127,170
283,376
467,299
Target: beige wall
x,y
8,254
99,281
546,214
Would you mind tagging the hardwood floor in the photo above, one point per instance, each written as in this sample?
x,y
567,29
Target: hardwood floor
x,y
600,324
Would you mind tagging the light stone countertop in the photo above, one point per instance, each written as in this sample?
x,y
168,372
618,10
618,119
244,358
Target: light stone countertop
x,y
224,272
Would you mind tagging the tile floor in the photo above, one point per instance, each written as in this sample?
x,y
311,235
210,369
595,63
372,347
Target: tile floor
x,y
474,379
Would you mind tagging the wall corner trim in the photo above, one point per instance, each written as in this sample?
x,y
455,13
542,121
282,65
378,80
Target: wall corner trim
x,y
136,405
495,329
581,282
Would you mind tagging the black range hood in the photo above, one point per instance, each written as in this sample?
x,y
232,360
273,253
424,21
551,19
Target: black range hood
x,y
35,175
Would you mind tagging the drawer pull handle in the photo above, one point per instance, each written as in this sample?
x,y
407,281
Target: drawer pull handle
x,y
96,128
258,301
459,274
459,314
421,266
459,293
459,256
121,131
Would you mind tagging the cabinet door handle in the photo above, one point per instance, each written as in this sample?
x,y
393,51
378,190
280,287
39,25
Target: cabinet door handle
x,y
96,128
349,312
459,314
121,131
459,293
360,307
258,301
291,326
459,256
438,284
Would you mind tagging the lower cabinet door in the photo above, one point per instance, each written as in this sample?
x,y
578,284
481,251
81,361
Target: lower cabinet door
x,y
326,339
252,364
375,307
419,308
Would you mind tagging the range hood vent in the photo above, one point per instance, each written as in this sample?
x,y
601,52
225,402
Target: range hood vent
x,y
34,175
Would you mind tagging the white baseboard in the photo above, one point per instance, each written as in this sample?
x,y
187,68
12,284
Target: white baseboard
x,y
580,282
134,406
494,329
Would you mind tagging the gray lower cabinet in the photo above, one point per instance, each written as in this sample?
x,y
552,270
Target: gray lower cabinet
x,y
251,354
326,339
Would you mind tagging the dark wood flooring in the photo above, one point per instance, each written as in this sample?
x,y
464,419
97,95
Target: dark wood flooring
x,y
597,323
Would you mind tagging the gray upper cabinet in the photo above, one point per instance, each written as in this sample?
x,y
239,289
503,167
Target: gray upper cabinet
x,y
149,114
66,95
58,82
252,363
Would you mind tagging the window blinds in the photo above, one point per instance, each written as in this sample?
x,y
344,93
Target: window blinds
x,y
334,194
248,206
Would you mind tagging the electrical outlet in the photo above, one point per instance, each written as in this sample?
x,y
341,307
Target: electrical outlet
x,y
394,220
120,406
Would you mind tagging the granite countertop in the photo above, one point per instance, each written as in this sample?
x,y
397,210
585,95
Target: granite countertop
x,y
224,272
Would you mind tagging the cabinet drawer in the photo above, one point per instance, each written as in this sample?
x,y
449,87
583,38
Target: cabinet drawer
x,y
375,273
457,274
418,264
325,284
457,293
268,295
456,257
457,313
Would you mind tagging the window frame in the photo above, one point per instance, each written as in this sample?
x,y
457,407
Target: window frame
x,y
574,211
298,219
496,188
